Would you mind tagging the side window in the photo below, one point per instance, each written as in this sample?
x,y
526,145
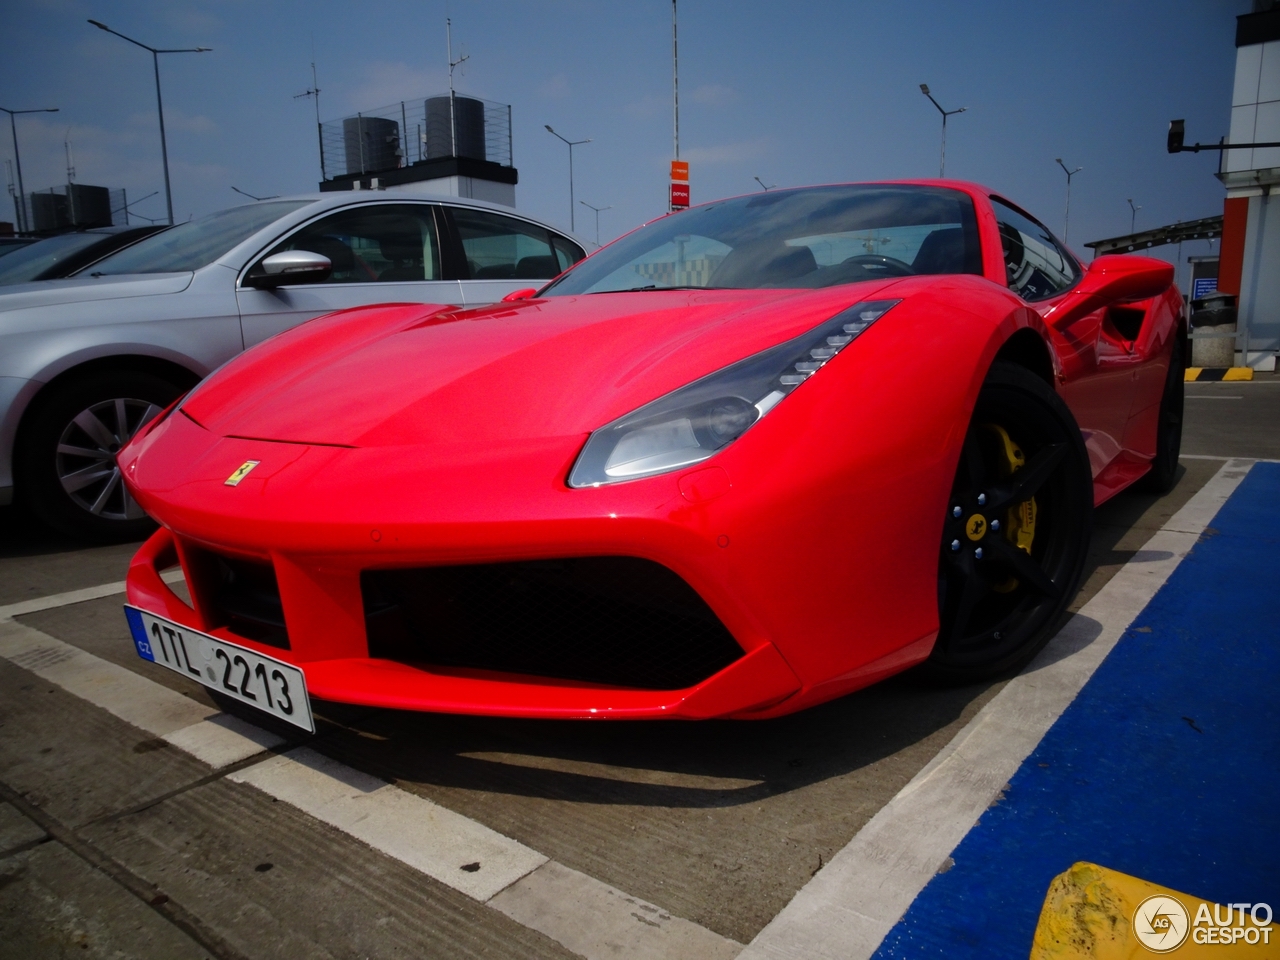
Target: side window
x,y
1036,265
379,242
567,252
503,248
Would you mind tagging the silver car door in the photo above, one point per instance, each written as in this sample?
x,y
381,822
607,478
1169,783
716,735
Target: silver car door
x,y
381,253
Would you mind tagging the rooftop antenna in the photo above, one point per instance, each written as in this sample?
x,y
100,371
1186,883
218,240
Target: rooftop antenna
x,y
766,187
245,193
453,120
71,170
314,92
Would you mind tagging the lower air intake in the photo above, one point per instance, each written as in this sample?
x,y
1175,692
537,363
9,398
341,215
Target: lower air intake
x,y
618,621
245,599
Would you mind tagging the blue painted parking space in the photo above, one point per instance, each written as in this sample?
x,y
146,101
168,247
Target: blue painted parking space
x,y
1165,767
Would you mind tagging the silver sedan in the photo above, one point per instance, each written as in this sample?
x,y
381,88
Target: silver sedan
x,y
85,362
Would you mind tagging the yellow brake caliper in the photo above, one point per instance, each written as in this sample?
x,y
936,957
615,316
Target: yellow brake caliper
x,y
1020,519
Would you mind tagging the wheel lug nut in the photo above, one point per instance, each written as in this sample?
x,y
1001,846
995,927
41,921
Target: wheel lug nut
x,y
982,499
956,512
977,554
955,545
995,524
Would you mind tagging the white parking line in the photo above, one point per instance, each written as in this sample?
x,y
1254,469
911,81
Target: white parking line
x,y
23,607
846,910
587,916
216,738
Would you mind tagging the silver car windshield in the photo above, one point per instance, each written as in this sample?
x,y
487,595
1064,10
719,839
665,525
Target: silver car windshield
x,y
192,245
31,261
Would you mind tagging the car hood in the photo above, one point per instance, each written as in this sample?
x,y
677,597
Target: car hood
x,y
407,374
42,293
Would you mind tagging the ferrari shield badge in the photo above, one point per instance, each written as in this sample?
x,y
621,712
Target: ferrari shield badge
x,y
241,472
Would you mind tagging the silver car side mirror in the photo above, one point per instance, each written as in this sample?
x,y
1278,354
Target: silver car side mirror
x,y
291,266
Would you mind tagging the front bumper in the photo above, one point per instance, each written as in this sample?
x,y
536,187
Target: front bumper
x,y
756,681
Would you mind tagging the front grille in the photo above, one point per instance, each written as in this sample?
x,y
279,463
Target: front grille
x,y
245,598
618,621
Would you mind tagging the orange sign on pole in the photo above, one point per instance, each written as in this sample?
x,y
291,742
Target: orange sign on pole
x,y
680,171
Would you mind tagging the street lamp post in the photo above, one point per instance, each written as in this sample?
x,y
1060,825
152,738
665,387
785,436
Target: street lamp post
x,y
597,210
155,60
942,165
1066,223
13,127
572,144
1133,218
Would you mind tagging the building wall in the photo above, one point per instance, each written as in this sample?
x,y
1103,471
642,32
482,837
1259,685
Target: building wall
x,y
1252,177
472,188
1255,107
1259,313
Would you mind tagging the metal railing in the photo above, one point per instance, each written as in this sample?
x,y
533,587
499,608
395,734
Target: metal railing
x,y
416,131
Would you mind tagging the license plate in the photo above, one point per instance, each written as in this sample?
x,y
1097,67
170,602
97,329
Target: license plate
x,y
265,683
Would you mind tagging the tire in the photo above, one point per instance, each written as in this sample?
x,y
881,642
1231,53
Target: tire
x,y
1005,582
1164,468
81,494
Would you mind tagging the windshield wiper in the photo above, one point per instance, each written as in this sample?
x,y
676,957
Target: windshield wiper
x,y
654,286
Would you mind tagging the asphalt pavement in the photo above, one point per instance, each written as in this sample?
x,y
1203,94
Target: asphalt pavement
x,y
136,819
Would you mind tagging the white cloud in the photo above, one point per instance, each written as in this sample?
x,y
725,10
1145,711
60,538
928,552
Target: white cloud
x,y
648,106
555,88
390,82
174,120
713,94
727,152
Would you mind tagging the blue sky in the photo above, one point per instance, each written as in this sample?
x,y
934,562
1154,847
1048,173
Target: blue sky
x,y
794,93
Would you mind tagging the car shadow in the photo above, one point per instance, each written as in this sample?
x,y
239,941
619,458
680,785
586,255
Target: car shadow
x,y
683,764
700,764
22,534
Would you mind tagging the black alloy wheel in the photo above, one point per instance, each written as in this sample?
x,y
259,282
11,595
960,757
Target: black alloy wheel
x,y
66,469
1164,468
1017,529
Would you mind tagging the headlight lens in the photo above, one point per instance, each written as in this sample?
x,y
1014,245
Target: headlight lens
x,y
691,424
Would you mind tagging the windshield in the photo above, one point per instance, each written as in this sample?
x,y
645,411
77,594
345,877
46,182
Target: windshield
x,y
192,245
804,238
29,262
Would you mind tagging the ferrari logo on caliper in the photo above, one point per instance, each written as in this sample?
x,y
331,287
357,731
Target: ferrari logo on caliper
x,y
976,527
241,472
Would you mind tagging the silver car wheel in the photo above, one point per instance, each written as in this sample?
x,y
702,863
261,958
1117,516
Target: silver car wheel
x,y
86,456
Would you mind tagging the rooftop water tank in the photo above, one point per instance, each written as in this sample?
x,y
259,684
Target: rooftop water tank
x,y
468,121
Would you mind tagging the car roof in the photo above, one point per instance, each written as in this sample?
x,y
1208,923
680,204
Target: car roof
x,y
318,203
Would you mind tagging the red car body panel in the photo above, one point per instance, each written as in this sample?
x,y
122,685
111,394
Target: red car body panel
x,y
813,538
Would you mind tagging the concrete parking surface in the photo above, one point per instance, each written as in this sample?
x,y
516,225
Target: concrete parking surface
x,y
674,839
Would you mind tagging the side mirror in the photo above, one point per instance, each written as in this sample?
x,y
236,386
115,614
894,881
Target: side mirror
x,y
1127,278
1117,279
291,266
515,295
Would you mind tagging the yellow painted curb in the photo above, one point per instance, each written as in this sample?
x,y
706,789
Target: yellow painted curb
x,y
1093,913
1193,372
1238,373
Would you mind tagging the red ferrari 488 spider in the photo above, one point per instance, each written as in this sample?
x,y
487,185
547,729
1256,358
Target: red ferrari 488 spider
x,y
747,458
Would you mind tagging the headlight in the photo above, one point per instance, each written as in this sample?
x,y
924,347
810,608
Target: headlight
x,y
690,424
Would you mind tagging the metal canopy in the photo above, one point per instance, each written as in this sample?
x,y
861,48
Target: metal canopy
x,y
1209,228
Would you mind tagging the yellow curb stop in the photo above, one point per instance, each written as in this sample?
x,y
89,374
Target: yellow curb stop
x,y
1093,913
1208,373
